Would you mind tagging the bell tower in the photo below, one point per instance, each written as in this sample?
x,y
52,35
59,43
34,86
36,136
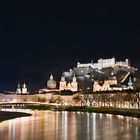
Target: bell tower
x,y
62,84
74,84
24,89
18,91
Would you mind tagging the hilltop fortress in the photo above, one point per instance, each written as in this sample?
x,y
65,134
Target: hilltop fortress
x,y
83,69
105,63
105,75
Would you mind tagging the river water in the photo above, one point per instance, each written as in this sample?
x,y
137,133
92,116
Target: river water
x,y
49,125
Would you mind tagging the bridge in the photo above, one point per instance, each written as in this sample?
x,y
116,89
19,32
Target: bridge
x,y
20,103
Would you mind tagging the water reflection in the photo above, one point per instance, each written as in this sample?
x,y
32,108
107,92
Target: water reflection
x,y
48,125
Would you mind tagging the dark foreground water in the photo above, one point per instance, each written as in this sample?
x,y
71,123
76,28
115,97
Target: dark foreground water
x,y
48,125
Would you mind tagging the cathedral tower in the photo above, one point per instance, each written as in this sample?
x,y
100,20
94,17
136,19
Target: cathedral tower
x,y
130,83
62,84
24,89
74,84
18,91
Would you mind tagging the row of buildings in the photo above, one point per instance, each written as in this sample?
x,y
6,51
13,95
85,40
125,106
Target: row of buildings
x,y
51,85
109,84
93,70
63,84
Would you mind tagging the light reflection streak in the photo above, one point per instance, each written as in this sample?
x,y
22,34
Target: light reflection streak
x,y
94,126
64,125
70,125
57,120
88,126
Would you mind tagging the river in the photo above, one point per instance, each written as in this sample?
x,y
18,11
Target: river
x,y
49,125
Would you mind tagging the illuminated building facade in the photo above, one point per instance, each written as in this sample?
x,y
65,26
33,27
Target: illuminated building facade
x,y
104,85
111,85
51,83
22,89
104,63
18,91
72,86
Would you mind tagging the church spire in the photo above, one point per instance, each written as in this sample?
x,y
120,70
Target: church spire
x,y
74,78
51,77
24,85
130,81
18,91
18,86
63,77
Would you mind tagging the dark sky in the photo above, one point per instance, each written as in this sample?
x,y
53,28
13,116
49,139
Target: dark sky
x,y
37,39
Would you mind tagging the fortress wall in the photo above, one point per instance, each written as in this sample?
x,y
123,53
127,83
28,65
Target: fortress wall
x,y
104,63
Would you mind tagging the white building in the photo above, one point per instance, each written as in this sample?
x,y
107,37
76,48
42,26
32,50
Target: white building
x,y
104,63
105,85
111,85
22,89
18,91
72,86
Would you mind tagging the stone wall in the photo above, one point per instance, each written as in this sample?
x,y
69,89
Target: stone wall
x,y
33,98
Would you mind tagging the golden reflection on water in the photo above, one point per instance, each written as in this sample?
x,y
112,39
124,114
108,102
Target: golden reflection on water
x,y
49,125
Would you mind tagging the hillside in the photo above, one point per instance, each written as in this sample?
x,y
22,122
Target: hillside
x,y
86,75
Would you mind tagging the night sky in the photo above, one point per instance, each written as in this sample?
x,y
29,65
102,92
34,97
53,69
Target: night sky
x,y
37,39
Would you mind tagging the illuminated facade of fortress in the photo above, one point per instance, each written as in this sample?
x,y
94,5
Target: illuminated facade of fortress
x,y
105,63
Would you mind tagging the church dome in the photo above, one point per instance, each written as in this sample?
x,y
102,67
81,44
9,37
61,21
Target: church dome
x,y
51,83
